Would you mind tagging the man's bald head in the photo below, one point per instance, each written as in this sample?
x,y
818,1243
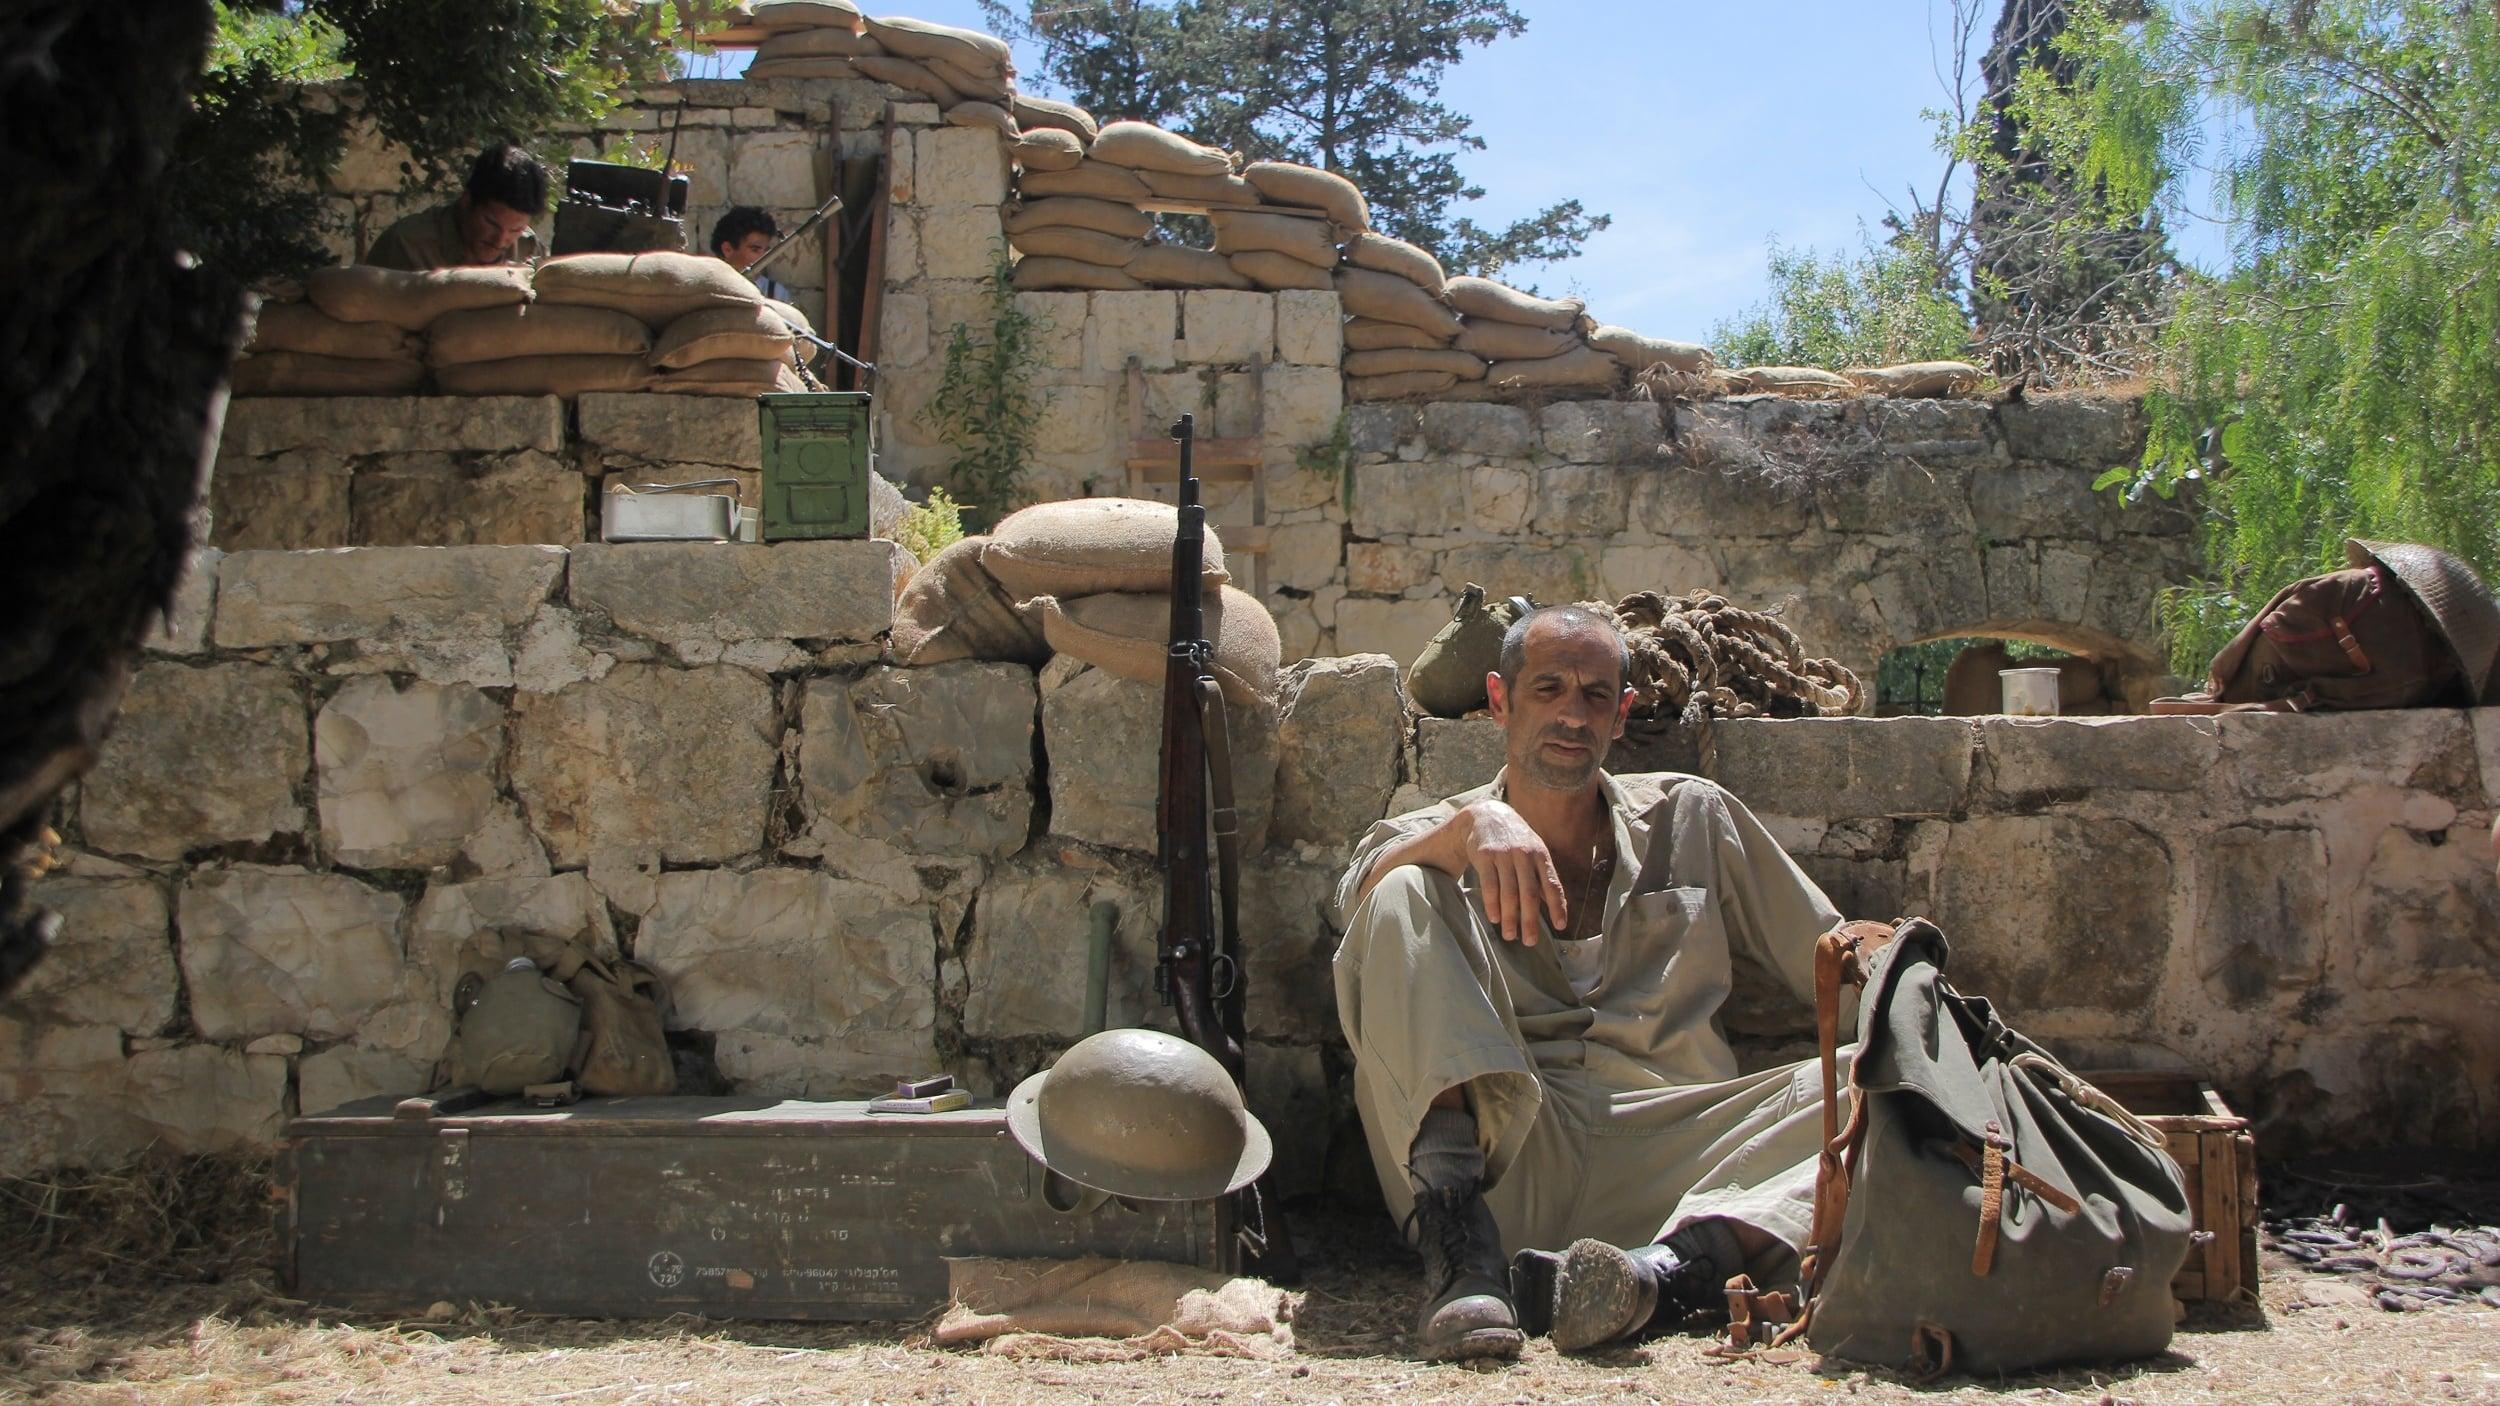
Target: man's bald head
x,y
1570,619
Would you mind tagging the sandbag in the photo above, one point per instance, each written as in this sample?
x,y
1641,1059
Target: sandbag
x,y
1179,266
1128,633
1044,274
952,608
1284,183
1086,246
814,44
910,75
781,16
1638,353
1795,382
977,86
981,114
757,376
1382,254
1466,366
1388,298
827,66
1032,112
722,334
304,373
967,49
410,301
1314,242
1087,546
1126,221
1371,334
1277,273
301,327
1583,368
658,287
1086,180
1511,341
1406,385
534,329
1204,190
1917,379
1049,149
1149,148
1499,302
545,375
791,317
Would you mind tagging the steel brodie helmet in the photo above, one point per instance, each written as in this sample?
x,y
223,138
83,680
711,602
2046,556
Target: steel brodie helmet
x,y
1140,1114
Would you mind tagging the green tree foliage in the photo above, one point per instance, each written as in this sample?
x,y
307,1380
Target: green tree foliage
x,y
1877,307
1346,85
2342,376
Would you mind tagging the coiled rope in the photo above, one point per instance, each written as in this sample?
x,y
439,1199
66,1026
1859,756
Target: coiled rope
x,y
1698,657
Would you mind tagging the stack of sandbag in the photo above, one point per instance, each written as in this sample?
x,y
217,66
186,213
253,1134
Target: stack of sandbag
x,y
537,349
1794,382
726,351
1401,335
1079,223
297,349
737,354
1917,380
1529,343
968,74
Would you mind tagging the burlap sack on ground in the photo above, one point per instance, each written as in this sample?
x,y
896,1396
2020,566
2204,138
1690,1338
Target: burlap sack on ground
x,y
1638,353
1278,273
304,373
1128,633
1284,183
1499,302
1406,385
1126,221
1127,1308
979,86
1386,297
1370,334
1086,246
1583,368
982,114
1179,266
1090,180
658,287
1466,366
545,375
757,377
910,75
1511,341
1204,190
1795,382
1032,112
534,329
1917,379
825,67
722,334
410,301
780,16
1314,242
1089,546
1382,254
952,608
301,327
1150,148
1050,149
1041,273
967,49
815,44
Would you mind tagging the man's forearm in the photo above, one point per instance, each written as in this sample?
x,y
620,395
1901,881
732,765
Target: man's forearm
x,y
1439,847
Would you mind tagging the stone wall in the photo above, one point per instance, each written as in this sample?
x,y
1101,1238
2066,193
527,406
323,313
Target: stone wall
x,y
337,770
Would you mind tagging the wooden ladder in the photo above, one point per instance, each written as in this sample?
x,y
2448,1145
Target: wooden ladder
x,y
1154,461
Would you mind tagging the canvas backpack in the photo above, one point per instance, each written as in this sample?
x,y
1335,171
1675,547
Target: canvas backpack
x,y
1447,679
1983,1208
2346,640
596,1022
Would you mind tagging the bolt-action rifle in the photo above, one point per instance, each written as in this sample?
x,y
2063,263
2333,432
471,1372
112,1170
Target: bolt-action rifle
x,y
1197,962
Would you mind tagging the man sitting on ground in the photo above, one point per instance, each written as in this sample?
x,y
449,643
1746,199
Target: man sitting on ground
x,y
740,237
1531,981
488,224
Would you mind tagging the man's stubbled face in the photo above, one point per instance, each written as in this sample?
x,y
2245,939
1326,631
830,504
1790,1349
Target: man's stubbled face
x,y
1567,706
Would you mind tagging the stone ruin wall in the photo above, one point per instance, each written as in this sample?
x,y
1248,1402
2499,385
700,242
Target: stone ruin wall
x,y
335,767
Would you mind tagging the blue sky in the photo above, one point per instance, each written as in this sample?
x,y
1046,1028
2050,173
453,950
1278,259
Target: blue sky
x,y
1706,129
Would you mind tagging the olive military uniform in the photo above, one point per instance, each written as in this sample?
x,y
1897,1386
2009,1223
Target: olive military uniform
x,y
431,239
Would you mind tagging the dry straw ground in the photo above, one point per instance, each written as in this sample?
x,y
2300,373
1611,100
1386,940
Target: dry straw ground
x,y
151,1288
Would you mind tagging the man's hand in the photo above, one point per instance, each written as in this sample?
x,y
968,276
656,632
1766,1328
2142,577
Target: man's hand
x,y
1514,870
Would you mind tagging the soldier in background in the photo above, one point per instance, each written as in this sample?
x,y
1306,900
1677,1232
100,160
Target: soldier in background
x,y
740,237
488,224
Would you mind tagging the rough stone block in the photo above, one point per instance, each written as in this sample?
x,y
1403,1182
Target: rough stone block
x,y
960,241
901,173
1380,428
1708,504
1580,500
936,760
1455,754
1664,567
388,593
1059,339
680,592
2428,915
1299,405
2088,432
1310,328
111,963
1604,431
2261,916
1075,420
1339,740
1407,499
285,504
1288,1086
343,1074
480,924
774,169
675,429
198,758
1384,569
2052,913
902,244
1895,499
1835,768
1397,628
902,333
2325,756
959,166
1501,498
272,949
1551,575
525,500
1305,555
2035,500
184,627
1121,325
2032,759
1016,986
1224,328
261,426
676,762
1288,946
822,986
195,1100
405,776
1103,735
1464,427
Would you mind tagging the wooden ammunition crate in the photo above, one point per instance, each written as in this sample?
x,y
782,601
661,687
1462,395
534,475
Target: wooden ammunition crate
x,y
2214,1147
645,1207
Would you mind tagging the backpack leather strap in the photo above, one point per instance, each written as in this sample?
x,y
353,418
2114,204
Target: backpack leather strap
x,y
1838,964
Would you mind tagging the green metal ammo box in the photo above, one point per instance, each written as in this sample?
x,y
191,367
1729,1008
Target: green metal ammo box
x,y
815,465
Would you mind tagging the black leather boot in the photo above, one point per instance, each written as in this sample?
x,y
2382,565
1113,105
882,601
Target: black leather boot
x,y
1532,1277
1467,1308
1605,1294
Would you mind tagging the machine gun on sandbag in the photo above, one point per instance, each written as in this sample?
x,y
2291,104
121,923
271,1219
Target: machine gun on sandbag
x,y
1198,969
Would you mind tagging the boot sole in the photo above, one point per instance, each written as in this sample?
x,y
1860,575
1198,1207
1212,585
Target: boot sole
x,y
1597,1296
1532,1290
1477,1345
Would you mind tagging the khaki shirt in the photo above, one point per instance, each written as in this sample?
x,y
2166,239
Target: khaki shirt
x,y
431,239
